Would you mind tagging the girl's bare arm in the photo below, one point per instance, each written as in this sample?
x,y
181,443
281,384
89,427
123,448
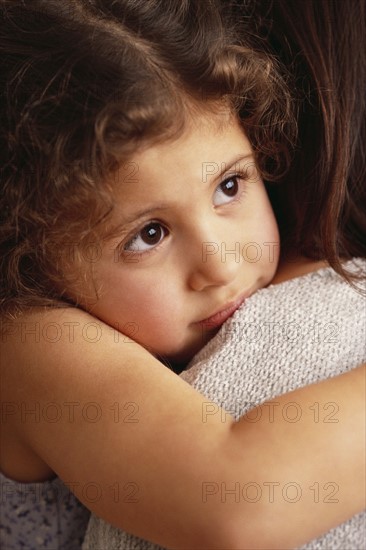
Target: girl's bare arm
x,y
146,452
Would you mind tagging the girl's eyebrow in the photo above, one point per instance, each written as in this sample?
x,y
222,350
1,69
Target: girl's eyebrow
x,y
130,218
208,168
127,219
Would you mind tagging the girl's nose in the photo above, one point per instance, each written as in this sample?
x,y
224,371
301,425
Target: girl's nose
x,y
217,265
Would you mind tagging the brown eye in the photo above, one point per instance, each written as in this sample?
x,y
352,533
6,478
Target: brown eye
x,y
147,238
152,233
230,187
227,190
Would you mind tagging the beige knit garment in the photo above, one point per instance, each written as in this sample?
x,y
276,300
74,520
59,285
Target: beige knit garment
x,y
285,336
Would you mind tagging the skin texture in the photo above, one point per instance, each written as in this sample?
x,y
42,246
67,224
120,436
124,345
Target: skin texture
x,y
169,453
165,449
214,242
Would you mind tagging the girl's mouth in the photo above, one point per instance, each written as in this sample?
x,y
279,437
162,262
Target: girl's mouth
x,y
218,318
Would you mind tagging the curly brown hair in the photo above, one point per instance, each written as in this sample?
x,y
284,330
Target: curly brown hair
x,y
83,85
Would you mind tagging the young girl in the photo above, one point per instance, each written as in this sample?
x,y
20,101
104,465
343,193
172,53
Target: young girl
x,y
311,327
124,167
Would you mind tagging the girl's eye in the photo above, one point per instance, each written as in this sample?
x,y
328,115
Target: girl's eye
x,y
146,239
226,191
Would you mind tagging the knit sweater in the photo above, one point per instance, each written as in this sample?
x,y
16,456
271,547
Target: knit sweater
x,y
284,337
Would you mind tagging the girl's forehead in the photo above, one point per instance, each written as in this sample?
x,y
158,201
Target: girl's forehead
x,y
165,172
204,117
211,116
205,133
206,147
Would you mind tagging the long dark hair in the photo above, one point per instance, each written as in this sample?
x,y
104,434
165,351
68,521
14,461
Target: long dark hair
x,y
321,203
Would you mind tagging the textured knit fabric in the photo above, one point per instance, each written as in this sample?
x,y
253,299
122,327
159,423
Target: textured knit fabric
x,y
284,337
37,516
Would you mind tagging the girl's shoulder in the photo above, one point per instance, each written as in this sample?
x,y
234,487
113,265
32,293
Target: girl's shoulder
x,y
51,360
39,336
37,328
38,340
48,325
28,345
60,345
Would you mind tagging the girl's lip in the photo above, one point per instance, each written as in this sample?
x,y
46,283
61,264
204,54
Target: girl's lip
x,y
218,318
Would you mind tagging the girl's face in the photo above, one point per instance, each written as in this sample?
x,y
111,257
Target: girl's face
x,y
197,237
